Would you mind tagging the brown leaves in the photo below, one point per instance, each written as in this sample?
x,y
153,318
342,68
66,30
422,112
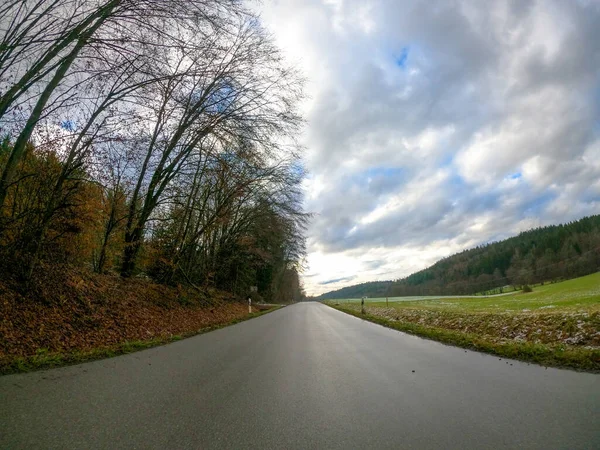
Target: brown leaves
x,y
90,311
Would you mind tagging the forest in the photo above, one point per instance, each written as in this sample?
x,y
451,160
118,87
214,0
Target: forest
x,y
540,255
373,289
151,139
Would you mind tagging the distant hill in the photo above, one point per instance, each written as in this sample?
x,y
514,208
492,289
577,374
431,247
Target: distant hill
x,y
539,255
370,289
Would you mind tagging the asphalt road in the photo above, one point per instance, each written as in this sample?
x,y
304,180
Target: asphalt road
x,y
306,377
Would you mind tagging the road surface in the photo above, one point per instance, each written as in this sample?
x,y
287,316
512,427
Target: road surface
x,y
305,377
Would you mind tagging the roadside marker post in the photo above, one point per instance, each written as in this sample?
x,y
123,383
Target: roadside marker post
x,y
249,305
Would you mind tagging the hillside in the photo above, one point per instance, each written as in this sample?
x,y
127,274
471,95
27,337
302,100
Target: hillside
x,y
370,289
535,256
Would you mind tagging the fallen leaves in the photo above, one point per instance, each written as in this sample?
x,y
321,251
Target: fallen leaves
x,y
84,311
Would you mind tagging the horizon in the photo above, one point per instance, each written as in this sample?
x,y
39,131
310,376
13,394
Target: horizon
x,y
395,280
432,129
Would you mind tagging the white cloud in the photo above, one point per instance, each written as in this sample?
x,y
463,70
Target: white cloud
x,y
434,126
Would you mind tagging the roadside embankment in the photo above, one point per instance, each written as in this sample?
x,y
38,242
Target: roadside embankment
x,y
87,316
492,334
555,325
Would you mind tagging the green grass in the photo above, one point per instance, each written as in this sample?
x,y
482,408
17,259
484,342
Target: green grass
x,y
555,356
557,324
577,294
44,359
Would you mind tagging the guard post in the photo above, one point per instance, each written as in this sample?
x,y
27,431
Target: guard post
x,y
252,289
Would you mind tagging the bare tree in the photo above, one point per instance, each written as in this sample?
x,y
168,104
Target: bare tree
x,y
42,40
239,224
233,86
172,113
36,39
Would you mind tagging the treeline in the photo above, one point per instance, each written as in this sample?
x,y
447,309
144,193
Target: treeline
x,y
370,289
540,255
149,137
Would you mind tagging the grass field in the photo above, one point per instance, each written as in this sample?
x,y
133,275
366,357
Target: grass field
x,y
556,324
577,294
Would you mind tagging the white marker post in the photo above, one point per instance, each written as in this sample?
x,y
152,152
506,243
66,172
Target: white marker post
x,y
249,305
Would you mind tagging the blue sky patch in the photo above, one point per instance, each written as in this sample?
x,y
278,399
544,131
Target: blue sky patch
x,y
68,125
536,206
402,60
383,172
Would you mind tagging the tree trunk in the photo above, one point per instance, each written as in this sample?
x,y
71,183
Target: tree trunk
x,y
132,248
19,147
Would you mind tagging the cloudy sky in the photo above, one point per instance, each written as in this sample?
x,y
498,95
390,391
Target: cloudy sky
x,y
434,126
